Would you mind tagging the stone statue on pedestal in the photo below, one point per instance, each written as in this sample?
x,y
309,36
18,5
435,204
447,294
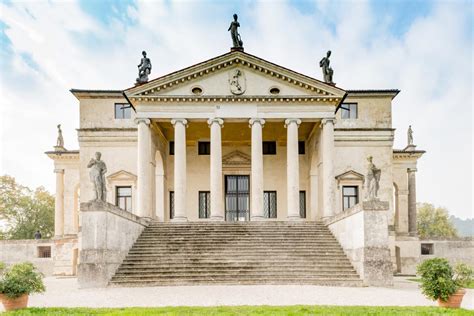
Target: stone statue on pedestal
x,y
234,33
144,69
373,179
327,70
410,136
97,176
60,139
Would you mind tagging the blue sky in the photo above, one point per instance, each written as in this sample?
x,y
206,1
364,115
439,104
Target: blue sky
x,y
423,48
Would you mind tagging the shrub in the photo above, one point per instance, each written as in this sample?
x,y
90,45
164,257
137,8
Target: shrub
x,y
463,275
437,279
19,279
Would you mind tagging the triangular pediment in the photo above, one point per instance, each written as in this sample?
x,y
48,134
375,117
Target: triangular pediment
x,y
236,158
350,175
234,75
122,175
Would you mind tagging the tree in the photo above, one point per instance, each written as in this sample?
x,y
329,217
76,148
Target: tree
x,y
25,211
433,222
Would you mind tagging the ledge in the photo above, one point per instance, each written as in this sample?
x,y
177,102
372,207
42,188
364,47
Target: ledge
x,y
363,206
98,206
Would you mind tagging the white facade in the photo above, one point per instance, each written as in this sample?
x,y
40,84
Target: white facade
x,y
200,104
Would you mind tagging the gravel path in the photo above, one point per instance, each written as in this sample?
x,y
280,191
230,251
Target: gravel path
x,y
64,292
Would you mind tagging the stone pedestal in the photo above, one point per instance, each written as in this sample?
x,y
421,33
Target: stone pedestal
x,y
362,232
108,233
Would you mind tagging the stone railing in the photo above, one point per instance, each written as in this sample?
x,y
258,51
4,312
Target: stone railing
x,y
108,233
362,232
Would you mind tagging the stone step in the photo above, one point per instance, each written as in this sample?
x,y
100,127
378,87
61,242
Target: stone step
x,y
223,275
329,260
235,246
235,270
232,265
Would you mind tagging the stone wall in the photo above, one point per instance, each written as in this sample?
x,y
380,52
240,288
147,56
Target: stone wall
x,y
17,251
108,232
362,233
454,250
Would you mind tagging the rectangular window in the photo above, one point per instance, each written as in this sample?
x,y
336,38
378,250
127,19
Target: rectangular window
x,y
171,148
204,204
204,148
301,148
303,204
350,196
123,111
427,249
349,110
171,204
270,204
44,252
123,198
269,148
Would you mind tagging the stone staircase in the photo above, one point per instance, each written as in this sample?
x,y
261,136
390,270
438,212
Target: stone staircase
x,y
236,253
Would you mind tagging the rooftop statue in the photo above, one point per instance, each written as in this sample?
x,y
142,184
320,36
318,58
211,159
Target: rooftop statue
x,y
373,179
60,139
327,70
97,176
144,69
410,136
234,33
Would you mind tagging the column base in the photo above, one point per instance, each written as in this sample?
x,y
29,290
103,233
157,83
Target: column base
x,y
179,220
257,218
217,218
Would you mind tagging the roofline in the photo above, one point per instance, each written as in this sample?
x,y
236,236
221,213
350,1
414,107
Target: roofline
x,y
79,93
377,92
67,152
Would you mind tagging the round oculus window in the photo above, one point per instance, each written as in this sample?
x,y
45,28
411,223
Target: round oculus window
x,y
196,90
275,91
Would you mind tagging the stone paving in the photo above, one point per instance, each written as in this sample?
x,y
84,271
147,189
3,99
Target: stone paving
x,y
64,292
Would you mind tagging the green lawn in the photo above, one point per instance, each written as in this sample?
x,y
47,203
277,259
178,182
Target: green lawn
x,y
247,310
470,285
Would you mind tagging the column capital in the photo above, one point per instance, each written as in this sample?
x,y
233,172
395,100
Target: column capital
x,y
411,170
142,120
179,120
331,120
292,120
260,121
215,120
58,170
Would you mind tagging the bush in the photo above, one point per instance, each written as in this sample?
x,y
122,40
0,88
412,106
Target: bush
x,y
19,279
437,279
463,275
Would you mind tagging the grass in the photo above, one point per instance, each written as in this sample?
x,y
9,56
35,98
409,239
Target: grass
x,y
247,310
469,286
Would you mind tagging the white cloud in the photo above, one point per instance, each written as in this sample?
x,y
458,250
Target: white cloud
x,y
431,63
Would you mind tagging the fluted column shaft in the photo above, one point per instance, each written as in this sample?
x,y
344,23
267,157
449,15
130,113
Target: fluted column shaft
x,y
292,168
217,207
256,183
59,203
412,201
328,167
144,181
179,170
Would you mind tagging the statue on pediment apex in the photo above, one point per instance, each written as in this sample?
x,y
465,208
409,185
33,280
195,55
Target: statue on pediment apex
x,y
144,69
59,140
327,70
410,136
234,33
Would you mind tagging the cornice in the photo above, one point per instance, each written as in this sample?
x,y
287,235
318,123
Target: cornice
x,y
237,99
63,155
401,154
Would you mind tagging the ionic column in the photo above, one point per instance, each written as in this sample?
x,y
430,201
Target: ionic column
x,y
412,201
217,207
59,203
144,181
328,167
292,168
256,178
179,170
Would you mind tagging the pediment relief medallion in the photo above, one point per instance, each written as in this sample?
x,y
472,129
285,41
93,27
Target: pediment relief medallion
x,y
236,159
237,82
